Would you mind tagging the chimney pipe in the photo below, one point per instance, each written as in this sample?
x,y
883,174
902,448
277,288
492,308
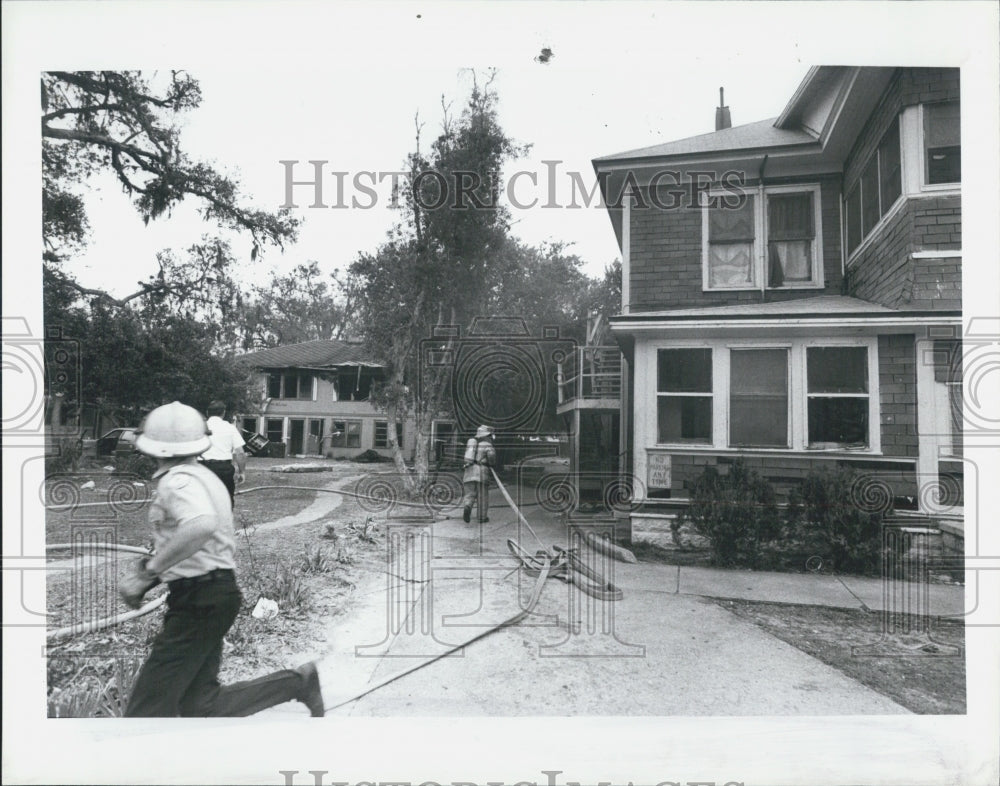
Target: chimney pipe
x,y
722,118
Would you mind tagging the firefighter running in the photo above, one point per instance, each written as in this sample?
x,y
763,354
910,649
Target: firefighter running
x,y
192,522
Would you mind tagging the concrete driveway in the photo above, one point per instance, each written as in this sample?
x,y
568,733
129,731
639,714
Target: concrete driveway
x,y
663,649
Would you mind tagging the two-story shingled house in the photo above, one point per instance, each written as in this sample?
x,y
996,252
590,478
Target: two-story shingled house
x,y
315,400
792,292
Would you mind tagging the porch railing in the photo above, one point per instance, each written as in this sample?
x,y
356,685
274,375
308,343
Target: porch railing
x,y
590,373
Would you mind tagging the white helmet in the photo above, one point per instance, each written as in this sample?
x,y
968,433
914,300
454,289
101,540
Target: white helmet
x,y
173,431
484,431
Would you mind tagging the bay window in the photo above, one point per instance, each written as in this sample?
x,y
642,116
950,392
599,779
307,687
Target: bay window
x,y
876,189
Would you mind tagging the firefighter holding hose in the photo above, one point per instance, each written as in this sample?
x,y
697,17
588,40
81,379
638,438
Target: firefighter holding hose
x,y
479,457
192,522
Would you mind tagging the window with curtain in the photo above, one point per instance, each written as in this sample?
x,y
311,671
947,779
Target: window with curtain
x,y
684,395
943,143
790,236
758,398
837,390
731,246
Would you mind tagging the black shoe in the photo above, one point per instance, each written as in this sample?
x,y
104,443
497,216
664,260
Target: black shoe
x,y
484,519
311,695
466,513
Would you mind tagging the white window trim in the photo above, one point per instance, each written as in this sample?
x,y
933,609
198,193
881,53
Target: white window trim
x,y
905,168
712,394
760,238
937,188
797,395
788,392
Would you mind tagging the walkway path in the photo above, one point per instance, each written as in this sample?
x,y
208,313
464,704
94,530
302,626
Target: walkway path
x,y
665,649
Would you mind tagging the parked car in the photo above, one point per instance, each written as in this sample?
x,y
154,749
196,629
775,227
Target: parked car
x,y
533,470
117,442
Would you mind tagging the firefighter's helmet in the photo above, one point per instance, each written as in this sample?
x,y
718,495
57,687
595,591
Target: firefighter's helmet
x,y
173,431
484,431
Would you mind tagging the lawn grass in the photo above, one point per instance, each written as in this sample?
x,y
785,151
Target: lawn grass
x,y
918,673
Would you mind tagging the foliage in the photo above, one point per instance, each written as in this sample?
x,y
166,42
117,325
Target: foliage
x,y
89,696
315,559
286,586
132,359
737,512
439,264
825,515
304,305
118,121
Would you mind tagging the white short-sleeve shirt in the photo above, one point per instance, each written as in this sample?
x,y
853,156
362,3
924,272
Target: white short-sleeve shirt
x,y
225,437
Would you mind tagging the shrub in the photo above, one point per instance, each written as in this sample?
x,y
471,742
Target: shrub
x,y
316,559
287,588
737,512
66,458
135,464
839,513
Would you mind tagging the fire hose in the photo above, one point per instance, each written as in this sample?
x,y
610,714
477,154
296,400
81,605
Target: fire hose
x,y
95,625
565,565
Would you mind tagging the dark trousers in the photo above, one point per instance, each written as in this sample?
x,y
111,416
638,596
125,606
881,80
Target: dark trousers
x,y
477,496
227,474
181,675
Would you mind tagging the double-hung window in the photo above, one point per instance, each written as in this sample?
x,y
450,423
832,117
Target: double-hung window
x,y
382,434
942,143
758,398
684,395
769,239
747,395
837,391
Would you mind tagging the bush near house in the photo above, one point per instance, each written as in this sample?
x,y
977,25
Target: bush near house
x,y
737,512
825,516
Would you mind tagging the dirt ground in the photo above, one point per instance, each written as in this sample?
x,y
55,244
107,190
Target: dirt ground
x,y
924,673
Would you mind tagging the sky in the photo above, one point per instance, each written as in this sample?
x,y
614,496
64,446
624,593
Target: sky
x,y
569,110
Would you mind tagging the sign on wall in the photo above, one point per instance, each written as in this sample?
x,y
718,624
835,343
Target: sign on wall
x,y
658,470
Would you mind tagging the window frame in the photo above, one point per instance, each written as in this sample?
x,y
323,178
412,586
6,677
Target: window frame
x,y
385,424
885,212
797,380
300,375
268,431
342,440
787,348
827,395
922,150
685,394
759,251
